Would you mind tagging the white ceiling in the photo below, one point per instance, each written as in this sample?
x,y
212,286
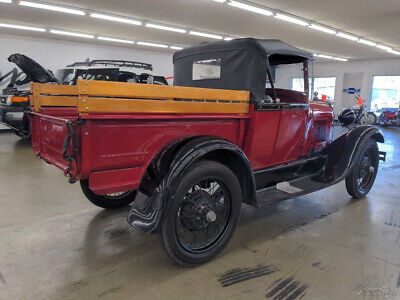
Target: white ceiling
x,y
377,20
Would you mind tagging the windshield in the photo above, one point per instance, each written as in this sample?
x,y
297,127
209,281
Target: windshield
x,y
98,74
66,76
69,76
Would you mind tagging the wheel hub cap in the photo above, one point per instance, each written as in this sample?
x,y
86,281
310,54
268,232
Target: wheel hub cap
x,y
211,216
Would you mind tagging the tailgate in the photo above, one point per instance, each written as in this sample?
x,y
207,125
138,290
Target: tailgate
x,y
55,140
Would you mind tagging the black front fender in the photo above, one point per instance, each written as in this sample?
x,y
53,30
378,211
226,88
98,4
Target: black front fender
x,y
344,152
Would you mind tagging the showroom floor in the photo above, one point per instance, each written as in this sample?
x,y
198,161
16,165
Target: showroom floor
x,y
55,244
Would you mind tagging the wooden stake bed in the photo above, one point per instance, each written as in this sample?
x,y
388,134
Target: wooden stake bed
x,y
116,97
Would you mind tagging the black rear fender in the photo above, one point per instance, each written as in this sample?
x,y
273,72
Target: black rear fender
x,y
169,166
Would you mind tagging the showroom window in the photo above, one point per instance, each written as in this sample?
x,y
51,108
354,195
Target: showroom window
x,y
385,93
322,85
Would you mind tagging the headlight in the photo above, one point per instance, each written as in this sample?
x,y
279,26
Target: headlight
x,y
9,100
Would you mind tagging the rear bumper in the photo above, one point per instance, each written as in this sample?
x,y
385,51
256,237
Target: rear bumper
x,y
12,116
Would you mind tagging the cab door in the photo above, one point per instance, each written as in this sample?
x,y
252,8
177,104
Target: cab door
x,y
290,138
261,134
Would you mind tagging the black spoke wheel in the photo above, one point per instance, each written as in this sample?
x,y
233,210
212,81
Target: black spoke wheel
x,y
203,215
361,179
110,201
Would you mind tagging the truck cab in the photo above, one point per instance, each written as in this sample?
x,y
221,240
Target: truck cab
x,y
284,125
227,133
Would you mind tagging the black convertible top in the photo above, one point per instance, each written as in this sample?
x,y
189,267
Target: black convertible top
x,y
264,47
240,64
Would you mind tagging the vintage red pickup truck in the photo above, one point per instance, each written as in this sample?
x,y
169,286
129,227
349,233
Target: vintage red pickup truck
x,y
223,135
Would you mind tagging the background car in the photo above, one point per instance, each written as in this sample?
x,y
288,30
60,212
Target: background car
x,y
14,102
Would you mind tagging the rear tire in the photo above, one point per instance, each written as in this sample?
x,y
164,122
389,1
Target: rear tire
x,y
202,215
361,179
111,201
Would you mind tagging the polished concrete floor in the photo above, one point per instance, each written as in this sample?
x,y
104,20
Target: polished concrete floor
x,y
54,244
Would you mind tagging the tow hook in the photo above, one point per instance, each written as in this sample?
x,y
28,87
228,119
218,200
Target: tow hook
x,y
382,155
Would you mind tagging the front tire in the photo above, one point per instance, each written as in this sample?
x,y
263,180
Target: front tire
x,y
111,201
203,213
361,179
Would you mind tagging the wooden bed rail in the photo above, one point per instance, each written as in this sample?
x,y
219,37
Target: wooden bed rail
x,y
119,97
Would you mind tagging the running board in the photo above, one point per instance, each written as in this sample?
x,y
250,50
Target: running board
x,y
288,190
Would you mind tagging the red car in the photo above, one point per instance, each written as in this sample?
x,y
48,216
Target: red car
x,y
389,118
201,148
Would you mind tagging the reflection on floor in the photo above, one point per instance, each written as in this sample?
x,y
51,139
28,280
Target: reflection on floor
x,y
55,244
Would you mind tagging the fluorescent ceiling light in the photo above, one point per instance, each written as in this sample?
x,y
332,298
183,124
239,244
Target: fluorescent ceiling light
x,y
209,35
53,8
162,27
366,42
62,32
22,27
228,39
251,8
176,47
347,36
394,52
291,19
152,45
340,59
322,28
115,40
6,1
115,19
384,47
325,56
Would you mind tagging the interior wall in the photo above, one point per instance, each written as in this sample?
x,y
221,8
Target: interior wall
x,y
54,54
370,68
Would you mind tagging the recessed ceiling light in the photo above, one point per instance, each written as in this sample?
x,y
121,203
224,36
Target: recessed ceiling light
x,y
115,19
366,42
115,40
251,8
209,35
168,28
347,36
152,44
176,47
53,8
291,19
384,47
322,28
6,1
22,27
62,32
